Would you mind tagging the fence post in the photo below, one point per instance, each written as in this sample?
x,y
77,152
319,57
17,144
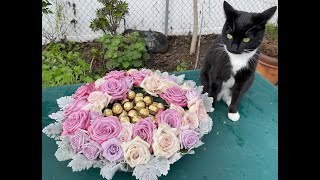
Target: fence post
x,y
166,19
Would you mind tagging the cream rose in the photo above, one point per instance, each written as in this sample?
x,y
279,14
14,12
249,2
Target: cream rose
x,y
165,141
201,111
136,152
152,84
126,132
191,119
98,83
97,101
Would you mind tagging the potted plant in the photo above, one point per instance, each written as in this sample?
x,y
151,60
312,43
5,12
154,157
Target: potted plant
x,y
268,60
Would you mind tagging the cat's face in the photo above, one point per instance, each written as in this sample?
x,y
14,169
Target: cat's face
x,y
243,31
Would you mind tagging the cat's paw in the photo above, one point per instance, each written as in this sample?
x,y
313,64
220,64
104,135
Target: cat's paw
x,y
234,116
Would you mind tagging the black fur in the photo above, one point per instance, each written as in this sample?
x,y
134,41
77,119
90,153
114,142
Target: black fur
x,y
217,67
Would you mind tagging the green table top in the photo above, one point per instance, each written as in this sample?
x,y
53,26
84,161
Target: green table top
x,y
246,149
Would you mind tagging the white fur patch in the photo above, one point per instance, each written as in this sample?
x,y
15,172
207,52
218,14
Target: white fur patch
x,y
234,116
239,61
225,93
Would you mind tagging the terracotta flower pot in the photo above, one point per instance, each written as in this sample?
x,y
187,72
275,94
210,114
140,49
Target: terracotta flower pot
x,y
268,67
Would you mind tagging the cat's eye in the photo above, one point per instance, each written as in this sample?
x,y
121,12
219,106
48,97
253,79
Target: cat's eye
x,y
229,36
246,39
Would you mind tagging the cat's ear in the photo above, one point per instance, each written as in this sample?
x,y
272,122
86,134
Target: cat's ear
x,y
263,17
229,11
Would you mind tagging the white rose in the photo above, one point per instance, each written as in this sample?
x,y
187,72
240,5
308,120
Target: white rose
x,y
191,119
165,141
136,152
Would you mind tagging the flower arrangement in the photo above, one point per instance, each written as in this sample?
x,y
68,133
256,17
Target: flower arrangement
x,y
139,121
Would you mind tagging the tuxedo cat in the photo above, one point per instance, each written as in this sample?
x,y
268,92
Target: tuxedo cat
x,y
230,63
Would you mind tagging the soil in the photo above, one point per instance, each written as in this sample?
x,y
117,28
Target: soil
x,y
269,47
178,52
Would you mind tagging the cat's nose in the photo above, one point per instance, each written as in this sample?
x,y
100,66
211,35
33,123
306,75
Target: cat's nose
x,y
234,47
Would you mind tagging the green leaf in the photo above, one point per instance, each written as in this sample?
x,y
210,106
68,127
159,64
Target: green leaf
x,y
125,64
88,79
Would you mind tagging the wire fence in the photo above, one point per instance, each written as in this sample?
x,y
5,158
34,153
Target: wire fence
x,y
71,19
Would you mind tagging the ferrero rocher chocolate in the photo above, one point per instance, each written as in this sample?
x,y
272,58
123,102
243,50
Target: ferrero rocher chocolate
x,y
148,100
125,100
160,106
124,119
132,113
153,119
139,94
124,113
143,112
153,109
140,105
135,119
107,112
117,108
137,99
128,106
131,95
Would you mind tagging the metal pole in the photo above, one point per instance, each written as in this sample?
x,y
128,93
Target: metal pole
x,y
166,19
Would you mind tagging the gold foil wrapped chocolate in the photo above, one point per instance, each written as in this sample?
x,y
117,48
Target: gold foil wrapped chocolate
x,y
144,112
132,113
125,100
117,108
137,99
148,100
124,113
127,106
153,109
153,119
107,112
131,95
135,119
160,106
139,95
124,119
140,105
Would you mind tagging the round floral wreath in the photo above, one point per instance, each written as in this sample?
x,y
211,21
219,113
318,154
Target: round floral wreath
x,y
147,147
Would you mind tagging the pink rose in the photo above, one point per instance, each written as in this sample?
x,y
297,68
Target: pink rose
x,y
129,81
201,111
91,150
78,139
169,116
115,75
104,128
175,95
126,132
76,105
188,138
115,88
191,119
83,91
138,76
76,120
144,129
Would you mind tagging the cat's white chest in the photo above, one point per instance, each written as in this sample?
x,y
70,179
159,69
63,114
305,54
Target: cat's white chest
x,y
225,93
239,61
